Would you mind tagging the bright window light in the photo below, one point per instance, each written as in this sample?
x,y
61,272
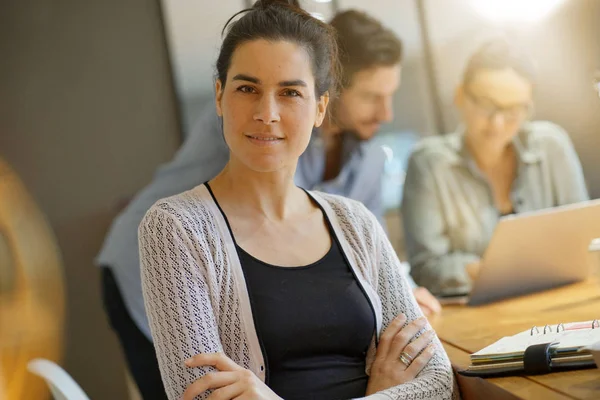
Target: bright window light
x,y
318,16
526,11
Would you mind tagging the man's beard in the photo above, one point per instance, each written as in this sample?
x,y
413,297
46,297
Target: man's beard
x,y
347,129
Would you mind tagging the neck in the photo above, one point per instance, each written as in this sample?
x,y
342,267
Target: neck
x,y
331,134
488,157
333,140
270,194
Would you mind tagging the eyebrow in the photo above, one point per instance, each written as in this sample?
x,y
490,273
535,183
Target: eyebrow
x,y
495,103
295,82
503,106
242,77
370,93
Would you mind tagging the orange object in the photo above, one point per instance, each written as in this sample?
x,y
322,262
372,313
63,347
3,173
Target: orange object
x,y
32,299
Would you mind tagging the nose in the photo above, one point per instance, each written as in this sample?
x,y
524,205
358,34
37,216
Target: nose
x,y
385,112
267,110
498,120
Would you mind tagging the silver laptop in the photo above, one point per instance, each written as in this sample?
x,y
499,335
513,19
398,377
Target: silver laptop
x,y
535,251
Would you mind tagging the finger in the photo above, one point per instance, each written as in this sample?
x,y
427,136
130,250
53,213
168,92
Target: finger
x,y
420,362
418,345
388,335
473,269
403,337
218,360
426,310
426,299
212,380
228,392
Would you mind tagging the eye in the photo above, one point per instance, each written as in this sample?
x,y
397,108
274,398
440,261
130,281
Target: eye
x,y
516,113
486,104
292,93
246,89
513,112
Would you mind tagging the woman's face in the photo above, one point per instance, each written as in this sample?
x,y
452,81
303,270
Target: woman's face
x,y
494,105
269,105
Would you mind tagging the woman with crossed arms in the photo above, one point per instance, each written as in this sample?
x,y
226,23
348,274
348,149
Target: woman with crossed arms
x,y
257,289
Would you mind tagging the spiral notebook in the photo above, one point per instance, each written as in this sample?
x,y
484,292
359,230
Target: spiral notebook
x,y
538,350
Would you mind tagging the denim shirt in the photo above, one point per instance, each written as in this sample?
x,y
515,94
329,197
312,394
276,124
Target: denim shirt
x,y
448,207
202,156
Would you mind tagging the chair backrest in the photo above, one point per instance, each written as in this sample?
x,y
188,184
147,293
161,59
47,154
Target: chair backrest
x,y
62,386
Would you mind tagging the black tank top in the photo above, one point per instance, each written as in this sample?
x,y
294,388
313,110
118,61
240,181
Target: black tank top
x,y
315,325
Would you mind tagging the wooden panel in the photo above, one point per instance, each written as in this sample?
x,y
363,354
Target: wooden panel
x,y
472,328
582,384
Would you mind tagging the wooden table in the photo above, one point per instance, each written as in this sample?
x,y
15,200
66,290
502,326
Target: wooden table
x,y
465,330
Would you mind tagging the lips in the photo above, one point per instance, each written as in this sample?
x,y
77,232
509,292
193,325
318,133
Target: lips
x,y
264,138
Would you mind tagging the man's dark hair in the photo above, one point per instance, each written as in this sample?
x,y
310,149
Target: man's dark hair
x,y
364,43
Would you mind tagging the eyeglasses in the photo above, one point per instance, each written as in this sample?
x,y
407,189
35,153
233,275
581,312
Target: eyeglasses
x,y
488,109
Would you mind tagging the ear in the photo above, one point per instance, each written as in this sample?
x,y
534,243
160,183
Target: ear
x,y
321,109
219,97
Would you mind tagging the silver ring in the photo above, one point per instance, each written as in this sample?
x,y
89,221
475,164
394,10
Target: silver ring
x,y
405,359
407,356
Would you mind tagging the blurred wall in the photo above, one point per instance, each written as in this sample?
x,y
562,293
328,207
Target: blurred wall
x,y
194,37
87,111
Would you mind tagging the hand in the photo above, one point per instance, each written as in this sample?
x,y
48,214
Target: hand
x,y
230,381
387,369
428,303
473,269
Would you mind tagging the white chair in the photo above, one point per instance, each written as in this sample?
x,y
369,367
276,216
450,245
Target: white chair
x,y
62,386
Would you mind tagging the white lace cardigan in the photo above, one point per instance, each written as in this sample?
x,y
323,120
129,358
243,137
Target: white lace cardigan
x,y
197,302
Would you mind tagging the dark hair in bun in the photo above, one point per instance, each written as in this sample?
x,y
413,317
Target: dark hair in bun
x,y
284,20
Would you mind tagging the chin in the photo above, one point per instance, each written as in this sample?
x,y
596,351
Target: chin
x,y
263,167
264,164
368,131
365,134
497,142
